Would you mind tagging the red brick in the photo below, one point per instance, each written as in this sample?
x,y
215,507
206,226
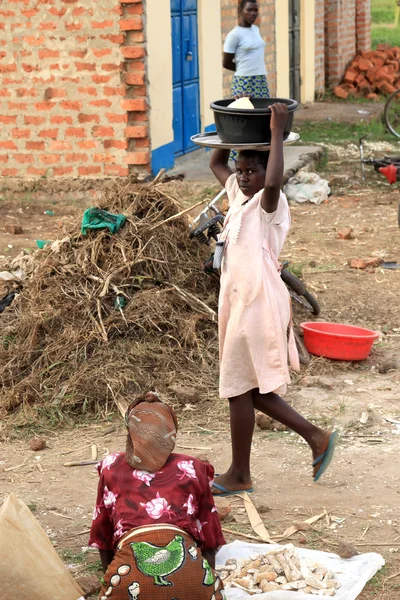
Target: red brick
x,y
70,105
47,26
21,106
141,117
111,67
134,67
8,145
100,52
21,92
58,12
105,103
131,24
75,26
34,145
21,133
102,24
34,41
114,38
135,9
84,171
114,91
38,172
101,78
119,144
49,133
88,118
116,170
59,120
104,158
58,146
5,93
8,120
138,131
116,118
75,132
43,54
87,144
23,158
60,171
78,53
134,78
99,131
90,91
143,143
9,172
8,68
76,157
3,158
44,105
50,159
139,105
341,93
81,66
132,52
138,158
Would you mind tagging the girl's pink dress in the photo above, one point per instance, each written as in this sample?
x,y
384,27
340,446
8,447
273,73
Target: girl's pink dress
x,y
255,334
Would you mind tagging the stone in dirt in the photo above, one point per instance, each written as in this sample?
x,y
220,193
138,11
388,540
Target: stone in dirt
x,y
13,229
374,262
89,583
37,444
357,263
263,509
346,550
346,233
223,507
267,424
391,363
185,395
313,380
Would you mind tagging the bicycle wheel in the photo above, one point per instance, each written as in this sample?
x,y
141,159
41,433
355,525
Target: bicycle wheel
x,y
307,301
391,114
304,355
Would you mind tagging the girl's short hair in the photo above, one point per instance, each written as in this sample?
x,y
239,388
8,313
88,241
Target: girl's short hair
x,y
262,157
243,3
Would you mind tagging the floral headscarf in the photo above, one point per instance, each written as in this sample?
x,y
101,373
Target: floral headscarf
x,y
152,428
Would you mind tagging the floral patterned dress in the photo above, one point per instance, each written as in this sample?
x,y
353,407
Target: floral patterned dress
x,y
171,514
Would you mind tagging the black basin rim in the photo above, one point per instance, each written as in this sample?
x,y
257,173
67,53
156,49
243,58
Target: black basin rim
x,y
293,106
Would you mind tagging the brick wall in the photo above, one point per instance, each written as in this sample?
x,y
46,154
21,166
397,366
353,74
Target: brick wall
x,y
347,30
363,16
319,47
267,27
72,94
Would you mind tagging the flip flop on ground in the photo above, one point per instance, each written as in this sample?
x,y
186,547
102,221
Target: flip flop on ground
x,y
326,457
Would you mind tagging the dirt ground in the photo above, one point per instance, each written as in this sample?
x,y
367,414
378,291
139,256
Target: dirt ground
x,y
360,492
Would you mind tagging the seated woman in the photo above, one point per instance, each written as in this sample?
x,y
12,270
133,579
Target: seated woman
x,y
155,522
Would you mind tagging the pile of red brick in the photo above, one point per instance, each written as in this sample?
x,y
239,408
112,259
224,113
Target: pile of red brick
x,y
371,74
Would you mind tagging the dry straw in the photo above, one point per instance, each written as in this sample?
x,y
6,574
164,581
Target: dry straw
x,y
67,344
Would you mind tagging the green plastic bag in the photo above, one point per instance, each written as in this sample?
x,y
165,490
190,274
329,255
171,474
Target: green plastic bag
x,y
96,218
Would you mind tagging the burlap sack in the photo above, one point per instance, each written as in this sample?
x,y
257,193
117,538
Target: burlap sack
x,y
30,568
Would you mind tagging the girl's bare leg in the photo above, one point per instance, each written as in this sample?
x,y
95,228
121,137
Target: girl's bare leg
x,y
275,407
242,418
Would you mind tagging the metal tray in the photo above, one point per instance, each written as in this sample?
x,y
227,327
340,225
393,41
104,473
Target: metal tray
x,y
212,140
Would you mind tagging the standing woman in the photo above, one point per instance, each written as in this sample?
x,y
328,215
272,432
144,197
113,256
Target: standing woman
x,y
244,54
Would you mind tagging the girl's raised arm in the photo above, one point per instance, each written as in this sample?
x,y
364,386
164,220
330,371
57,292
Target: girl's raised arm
x,y
274,174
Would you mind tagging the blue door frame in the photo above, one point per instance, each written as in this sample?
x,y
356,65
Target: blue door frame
x,y
186,87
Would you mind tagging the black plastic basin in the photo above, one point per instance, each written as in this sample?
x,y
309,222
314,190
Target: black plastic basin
x,y
238,126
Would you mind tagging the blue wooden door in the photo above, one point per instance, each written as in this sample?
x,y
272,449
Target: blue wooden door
x,y
186,91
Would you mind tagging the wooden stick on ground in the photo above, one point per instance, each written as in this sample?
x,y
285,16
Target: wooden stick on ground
x,y
179,214
238,533
82,463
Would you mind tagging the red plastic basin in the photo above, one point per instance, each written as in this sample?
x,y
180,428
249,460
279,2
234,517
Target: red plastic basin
x,y
341,342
